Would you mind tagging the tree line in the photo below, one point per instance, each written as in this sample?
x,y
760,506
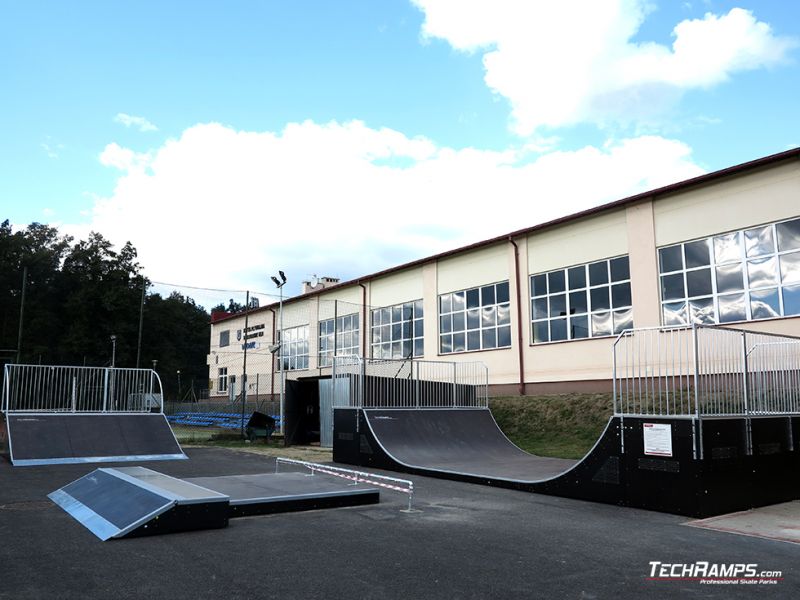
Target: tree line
x,y
80,293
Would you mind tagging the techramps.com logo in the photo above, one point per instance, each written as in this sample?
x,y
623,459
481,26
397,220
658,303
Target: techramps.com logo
x,y
714,573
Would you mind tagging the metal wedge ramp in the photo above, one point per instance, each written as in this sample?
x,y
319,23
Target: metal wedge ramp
x,y
135,501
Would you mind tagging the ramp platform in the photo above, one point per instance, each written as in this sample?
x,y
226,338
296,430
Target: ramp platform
x,y
62,438
135,501
705,468
286,492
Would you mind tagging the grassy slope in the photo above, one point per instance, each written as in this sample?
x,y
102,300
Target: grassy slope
x,y
564,425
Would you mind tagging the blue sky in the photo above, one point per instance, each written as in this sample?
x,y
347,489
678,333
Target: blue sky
x,y
399,128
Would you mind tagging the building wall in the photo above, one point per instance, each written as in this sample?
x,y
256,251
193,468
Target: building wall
x,y
637,230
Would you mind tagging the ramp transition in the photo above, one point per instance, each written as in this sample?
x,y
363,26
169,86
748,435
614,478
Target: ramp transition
x,y
62,438
705,468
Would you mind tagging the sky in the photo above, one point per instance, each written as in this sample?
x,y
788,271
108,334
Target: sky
x,y
229,140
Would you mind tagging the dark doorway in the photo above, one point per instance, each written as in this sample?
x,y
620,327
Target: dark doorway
x,y
301,412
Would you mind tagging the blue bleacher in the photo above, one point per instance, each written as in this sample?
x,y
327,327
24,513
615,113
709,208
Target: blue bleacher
x,y
223,420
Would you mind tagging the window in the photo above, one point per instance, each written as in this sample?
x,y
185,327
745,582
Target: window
x,y
222,379
346,332
294,348
397,331
475,319
739,276
583,301
224,338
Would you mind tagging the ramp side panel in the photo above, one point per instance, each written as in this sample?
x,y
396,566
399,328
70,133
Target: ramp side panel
x,y
39,439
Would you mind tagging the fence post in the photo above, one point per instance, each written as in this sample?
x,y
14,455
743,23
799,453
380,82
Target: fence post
x,y
105,391
696,360
745,376
74,393
455,376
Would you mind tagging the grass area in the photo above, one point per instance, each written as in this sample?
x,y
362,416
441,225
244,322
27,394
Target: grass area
x,y
209,437
563,425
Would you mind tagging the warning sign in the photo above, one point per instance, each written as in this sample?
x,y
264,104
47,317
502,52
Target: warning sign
x,y
658,439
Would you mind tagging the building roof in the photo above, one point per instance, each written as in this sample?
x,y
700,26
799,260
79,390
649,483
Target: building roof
x,y
653,194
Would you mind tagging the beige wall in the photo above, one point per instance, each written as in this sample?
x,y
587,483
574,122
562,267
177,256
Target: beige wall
x,y
471,269
579,242
396,288
740,202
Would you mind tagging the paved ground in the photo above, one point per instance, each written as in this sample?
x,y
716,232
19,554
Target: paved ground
x,y
467,542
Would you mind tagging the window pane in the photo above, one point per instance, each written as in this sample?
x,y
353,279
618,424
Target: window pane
x,y
727,248
386,351
791,300
538,285
489,338
558,305
445,324
474,316
418,348
487,295
598,273
762,272
621,295
558,329
790,268
623,319
407,326
670,259
386,333
489,317
556,282
698,283
672,287
458,321
473,298
503,337
759,241
577,277
418,309
376,317
408,310
502,292
397,331
601,324
539,308
578,302
474,339
788,235
458,301
579,327
599,298
702,310
540,333
729,278
459,342
732,308
697,254
386,316
503,314
764,304
445,303
446,344
620,269
418,328
397,312
675,313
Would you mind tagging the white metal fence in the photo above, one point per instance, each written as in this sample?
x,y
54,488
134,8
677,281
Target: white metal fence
x,y
44,388
705,370
398,383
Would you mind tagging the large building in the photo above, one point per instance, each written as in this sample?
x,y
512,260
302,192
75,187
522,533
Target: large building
x,y
541,306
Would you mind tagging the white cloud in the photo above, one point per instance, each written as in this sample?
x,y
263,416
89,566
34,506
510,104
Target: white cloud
x,y
563,63
139,123
225,208
51,148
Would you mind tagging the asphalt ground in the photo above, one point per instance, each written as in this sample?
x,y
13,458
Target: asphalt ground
x,y
466,541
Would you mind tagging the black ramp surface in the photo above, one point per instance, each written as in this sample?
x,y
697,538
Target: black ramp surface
x,y
462,441
61,438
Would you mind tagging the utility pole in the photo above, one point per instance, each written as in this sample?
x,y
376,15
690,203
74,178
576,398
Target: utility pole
x,y
21,312
244,361
141,322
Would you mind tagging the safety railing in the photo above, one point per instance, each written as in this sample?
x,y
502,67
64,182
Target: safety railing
x,y
44,388
398,383
704,370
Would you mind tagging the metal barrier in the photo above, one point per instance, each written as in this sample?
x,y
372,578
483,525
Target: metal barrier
x,y
704,370
41,388
406,383
390,483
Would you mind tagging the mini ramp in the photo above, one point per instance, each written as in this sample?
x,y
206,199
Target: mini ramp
x,y
61,415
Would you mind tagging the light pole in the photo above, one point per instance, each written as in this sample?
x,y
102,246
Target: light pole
x,y
113,350
279,285
179,385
